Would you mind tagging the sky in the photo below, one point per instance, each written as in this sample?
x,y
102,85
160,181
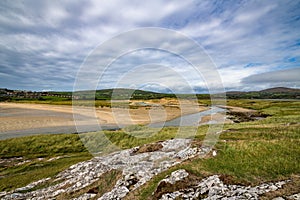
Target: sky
x,y
251,45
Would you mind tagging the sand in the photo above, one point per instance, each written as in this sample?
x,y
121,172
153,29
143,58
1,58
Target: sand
x,y
237,109
18,116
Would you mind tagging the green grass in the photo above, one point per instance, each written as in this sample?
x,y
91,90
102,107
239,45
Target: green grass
x,y
41,146
109,141
19,176
31,148
97,103
255,161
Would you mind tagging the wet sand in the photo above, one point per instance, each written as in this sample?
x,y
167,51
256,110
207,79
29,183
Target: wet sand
x,y
18,119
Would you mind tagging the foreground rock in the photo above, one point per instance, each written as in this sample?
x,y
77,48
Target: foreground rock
x,y
213,188
137,168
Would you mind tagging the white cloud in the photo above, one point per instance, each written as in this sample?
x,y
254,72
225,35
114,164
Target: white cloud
x,y
232,76
254,14
50,38
279,76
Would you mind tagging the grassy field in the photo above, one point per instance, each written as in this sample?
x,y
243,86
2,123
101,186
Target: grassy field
x,y
249,152
28,159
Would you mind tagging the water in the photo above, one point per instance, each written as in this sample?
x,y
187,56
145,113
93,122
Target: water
x,y
190,119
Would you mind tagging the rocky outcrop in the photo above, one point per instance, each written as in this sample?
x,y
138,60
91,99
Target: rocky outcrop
x,y
213,188
137,168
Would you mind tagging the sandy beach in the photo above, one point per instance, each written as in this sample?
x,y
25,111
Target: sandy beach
x,y
18,116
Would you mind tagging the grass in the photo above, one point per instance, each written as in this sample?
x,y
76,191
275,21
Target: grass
x,y
41,146
255,161
108,141
249,152
36,151
18,176
97,103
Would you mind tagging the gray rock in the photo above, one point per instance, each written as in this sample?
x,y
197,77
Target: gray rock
x,y
85,196
176,176
116,193
273,187
278,198
294,196
3,193
214,188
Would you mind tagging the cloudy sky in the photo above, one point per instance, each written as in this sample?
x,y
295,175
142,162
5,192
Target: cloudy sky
x,y
253,45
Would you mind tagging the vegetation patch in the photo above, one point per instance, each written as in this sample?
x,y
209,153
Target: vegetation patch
x,y
239,117
104,184
149,148
165,187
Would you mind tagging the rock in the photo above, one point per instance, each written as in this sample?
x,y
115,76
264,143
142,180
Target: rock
x,y
116,193
186,153
214,153
272,187
57,192
174,145
278,198
294,197
170,196
213,188
32,185
176,176
3,194
85,196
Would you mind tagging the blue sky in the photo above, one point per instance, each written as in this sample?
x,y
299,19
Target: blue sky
x,y
253,44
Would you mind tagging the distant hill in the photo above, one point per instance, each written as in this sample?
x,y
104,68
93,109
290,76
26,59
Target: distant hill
x,y
281,90
121,93
234,92
271,93
126,94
